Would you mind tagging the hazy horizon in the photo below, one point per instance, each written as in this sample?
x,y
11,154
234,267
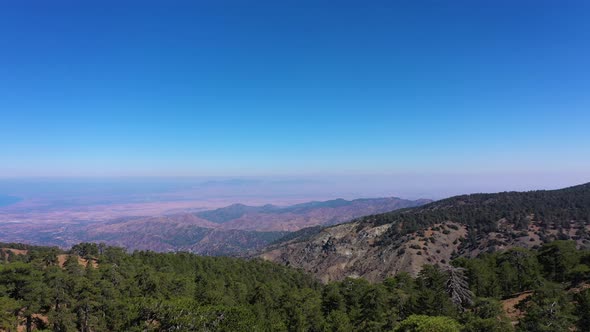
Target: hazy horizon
x,y
301,187
46,209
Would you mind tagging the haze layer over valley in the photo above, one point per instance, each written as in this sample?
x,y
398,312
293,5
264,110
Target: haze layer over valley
x,y
207,216
211,216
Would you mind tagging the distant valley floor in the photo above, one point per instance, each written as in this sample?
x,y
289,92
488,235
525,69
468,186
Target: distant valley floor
x,y
232,230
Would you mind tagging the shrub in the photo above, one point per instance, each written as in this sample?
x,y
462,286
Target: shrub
x,y
423,323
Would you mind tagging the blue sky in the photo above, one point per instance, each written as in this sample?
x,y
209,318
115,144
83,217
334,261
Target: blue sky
x,y
225,88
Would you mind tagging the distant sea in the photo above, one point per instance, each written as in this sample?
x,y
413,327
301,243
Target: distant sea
x,y
8,200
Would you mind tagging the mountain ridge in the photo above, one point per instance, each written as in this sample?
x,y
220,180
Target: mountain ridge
x,y
380,245
233,230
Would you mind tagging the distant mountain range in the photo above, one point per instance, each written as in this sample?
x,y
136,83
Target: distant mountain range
x,y
294,217
233,230
382,245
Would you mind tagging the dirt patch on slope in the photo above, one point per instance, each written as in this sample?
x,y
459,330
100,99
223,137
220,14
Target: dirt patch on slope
x,y
61,260
509,306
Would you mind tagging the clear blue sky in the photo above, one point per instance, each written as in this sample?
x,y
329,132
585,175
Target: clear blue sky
x,y
293,87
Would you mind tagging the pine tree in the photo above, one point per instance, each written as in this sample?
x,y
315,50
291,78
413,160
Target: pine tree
x,y
458,288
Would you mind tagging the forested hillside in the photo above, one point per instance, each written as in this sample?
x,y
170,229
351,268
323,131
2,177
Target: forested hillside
x,y
381,245
99,288
551,210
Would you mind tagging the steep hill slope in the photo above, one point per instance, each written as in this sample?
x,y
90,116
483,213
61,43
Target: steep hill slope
x,y
381,245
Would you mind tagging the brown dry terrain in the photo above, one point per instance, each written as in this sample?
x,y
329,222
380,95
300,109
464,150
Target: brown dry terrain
x,y
509,306
61,259
232,230
14,251
43,211
23,327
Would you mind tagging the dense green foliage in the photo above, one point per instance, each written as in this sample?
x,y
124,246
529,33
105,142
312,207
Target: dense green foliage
x,y
147,291
421,323
556,276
